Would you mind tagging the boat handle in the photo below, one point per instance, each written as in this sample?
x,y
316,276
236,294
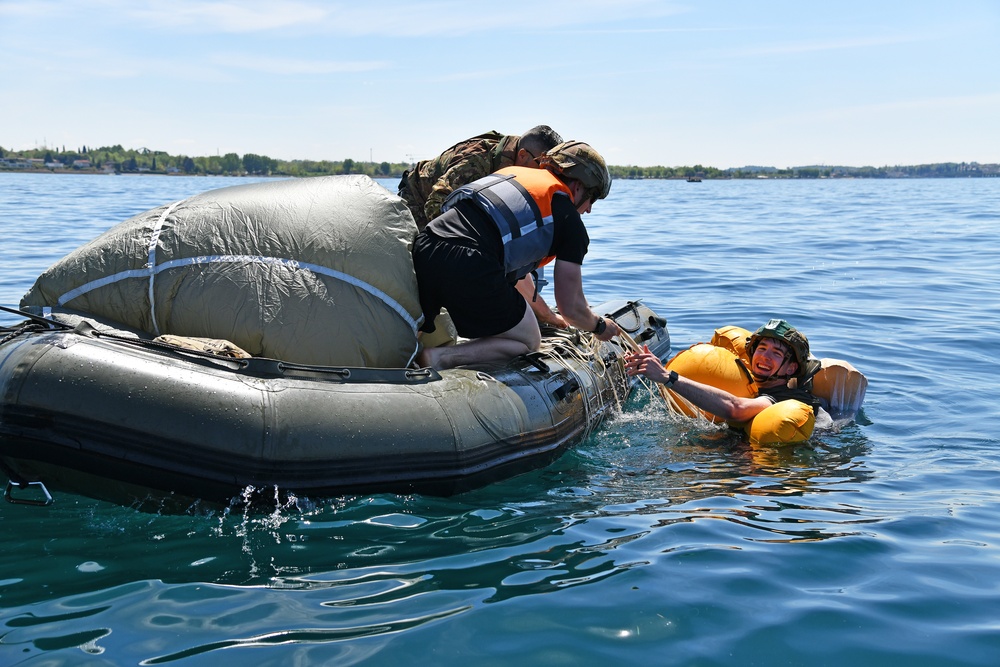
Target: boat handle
x,y
535,359
631,306
8,494
655,324
344,373
565,390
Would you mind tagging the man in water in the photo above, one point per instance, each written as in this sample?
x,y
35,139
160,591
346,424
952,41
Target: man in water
x,y
779,363
497,230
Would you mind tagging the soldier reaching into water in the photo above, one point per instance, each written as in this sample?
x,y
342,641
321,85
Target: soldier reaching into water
x,y
493,232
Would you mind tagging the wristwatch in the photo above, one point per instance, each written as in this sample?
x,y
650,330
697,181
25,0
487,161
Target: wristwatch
x,y
671,379
600,327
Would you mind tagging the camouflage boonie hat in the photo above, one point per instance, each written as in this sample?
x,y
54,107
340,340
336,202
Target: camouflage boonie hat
x,y
793,338
580,162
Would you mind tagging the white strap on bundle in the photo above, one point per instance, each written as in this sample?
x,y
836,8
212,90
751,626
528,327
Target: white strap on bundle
x,y
151,269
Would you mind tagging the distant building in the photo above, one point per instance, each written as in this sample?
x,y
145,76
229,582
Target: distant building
x,y
14,163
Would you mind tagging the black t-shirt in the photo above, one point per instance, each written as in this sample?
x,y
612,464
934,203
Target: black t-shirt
x,y
778,394
468,225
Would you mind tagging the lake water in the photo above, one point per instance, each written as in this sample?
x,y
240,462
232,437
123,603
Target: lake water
x,y
656,541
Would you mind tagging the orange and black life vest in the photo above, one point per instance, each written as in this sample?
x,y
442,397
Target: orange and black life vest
x,y
519,201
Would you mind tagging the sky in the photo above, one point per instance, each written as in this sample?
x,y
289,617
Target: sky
x,y
722,83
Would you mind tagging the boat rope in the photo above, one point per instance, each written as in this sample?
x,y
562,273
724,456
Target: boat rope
x,y
671,400
585,347
254,365
676,405
12,333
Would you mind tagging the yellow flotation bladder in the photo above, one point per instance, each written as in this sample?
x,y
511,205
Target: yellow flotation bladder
x,y
842,386
733,339
785,422
711,365
723,363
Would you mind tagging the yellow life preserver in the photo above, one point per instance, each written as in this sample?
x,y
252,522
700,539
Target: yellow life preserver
x,y
711,365
841,385
733,339
723,364
785,422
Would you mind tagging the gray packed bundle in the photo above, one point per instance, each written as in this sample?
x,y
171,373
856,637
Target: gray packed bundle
x,y
312,271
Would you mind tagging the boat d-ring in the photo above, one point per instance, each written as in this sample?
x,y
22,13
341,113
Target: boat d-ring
x,y
8,494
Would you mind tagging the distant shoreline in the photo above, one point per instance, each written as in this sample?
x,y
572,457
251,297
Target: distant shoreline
x,y
119,160
779,175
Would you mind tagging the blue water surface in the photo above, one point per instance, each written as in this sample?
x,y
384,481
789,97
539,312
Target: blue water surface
x,y
657,541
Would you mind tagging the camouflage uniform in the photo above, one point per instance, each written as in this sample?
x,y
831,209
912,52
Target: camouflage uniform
x,y
425,187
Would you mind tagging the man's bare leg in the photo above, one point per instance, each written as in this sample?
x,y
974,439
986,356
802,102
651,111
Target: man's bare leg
x,y
521,339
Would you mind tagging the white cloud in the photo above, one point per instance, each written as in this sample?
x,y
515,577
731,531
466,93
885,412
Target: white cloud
x,y
271,65
228,16
811,46
952,103
388,17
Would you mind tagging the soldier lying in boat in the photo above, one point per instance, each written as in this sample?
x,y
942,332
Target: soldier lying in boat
x,y
425,187
494,232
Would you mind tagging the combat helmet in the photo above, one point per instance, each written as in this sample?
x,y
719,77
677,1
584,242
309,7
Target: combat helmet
x,y
580,162
793,338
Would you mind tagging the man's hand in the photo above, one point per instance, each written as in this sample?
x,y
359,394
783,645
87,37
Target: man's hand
x,y
610,331
645,363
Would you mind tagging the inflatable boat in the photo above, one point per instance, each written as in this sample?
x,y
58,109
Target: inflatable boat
x,y
262,337
108,412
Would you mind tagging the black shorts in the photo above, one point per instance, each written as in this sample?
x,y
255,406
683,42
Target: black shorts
x,y
470,284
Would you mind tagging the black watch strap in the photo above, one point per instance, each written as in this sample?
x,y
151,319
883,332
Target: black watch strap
x,y
671,379
600,327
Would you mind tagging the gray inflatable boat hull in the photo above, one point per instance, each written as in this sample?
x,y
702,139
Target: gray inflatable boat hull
x,y
80,405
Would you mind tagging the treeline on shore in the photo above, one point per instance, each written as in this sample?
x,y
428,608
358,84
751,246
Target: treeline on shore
x,y
115,159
